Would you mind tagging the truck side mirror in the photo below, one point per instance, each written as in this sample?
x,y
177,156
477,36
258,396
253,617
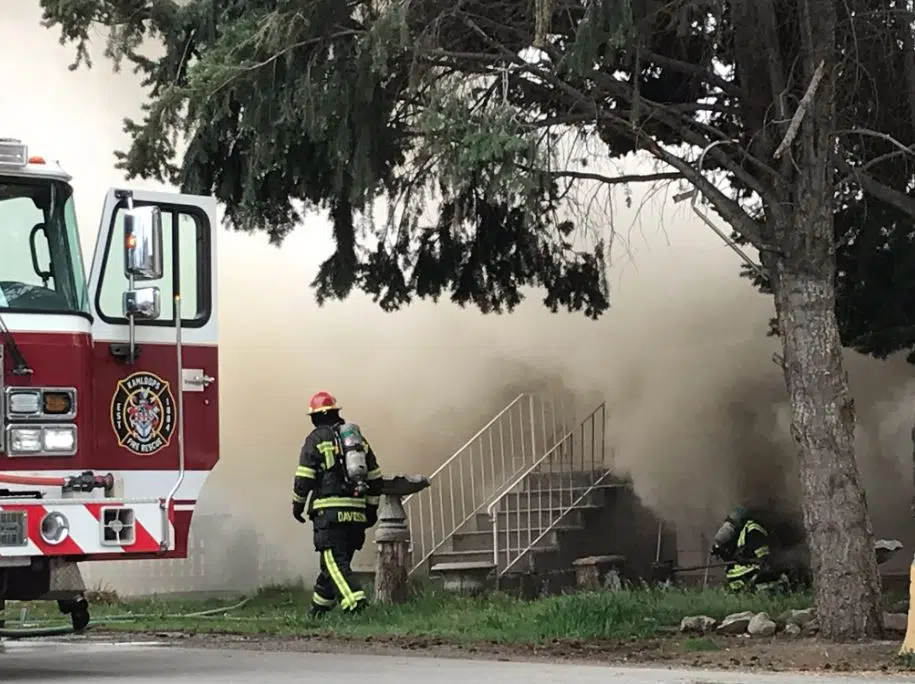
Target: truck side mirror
x,y
144,302
143,243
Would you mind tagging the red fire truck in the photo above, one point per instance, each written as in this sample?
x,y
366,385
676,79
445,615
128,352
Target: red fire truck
x,y
109,411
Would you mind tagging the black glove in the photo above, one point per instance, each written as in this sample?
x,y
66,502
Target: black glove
x,y
298,507
371,514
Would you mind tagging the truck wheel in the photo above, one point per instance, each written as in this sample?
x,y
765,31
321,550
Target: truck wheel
x,y
78,610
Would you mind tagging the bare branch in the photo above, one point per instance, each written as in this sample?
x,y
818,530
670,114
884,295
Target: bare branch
x,y
903,149
801,111
882,192
732,212
621,179
685,67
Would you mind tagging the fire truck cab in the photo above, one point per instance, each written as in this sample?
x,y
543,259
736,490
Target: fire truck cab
x,y
109,409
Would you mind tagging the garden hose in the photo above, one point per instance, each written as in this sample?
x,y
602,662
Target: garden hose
x,y
63,630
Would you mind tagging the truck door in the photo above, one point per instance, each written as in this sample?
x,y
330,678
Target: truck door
x,y
135,401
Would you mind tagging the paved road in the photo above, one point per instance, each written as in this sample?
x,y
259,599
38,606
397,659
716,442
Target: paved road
x,y
150,663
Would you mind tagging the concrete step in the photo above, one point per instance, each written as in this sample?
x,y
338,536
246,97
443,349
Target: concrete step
x,y
446,566
541,518
538,560
552,498
559,477
480,556
482,540
444,559
463,576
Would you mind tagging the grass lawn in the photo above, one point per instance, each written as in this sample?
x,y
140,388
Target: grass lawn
x,y
282,611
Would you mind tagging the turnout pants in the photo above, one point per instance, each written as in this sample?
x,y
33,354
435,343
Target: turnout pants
x,y
337,543
752,577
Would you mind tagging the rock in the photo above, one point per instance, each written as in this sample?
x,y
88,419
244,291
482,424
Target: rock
x,y
886,549
735,623
811,628
698,624
613,581
797,617
762,625
895,622
792,630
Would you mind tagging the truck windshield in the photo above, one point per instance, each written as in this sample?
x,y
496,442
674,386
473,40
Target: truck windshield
x,y
41,262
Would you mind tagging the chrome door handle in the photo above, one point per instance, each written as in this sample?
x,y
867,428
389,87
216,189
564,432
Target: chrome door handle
x,y
195,380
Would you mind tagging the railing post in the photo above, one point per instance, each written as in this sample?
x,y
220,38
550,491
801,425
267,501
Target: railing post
x,y
494,520
533,432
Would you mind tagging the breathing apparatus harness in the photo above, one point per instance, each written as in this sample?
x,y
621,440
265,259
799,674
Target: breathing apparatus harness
x,y
725,539
352,457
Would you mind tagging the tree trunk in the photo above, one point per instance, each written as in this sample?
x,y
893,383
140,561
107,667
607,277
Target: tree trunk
x,y
839,534
391,572
803,273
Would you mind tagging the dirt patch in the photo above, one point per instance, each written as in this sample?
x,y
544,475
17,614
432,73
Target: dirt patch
x,y
739,653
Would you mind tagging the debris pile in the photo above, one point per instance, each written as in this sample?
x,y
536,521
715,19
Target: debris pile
x,y
794,623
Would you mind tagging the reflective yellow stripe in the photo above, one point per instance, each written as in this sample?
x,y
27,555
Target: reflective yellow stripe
x,y
338,502
321,601
754,527
749,527
373,474
762,551
350,597
298,499
372,500
329,451
303,471
741,571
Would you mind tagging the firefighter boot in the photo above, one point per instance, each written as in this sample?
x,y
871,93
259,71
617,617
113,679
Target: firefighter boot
x,y
320,605
318,611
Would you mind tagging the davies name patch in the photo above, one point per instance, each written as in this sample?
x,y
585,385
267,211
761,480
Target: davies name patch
x,y
143,413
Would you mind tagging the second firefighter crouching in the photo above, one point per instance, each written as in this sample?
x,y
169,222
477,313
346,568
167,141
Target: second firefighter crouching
x,y
338,482
744,544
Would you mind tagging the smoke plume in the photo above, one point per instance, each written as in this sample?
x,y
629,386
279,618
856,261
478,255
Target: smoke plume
x,y
697,407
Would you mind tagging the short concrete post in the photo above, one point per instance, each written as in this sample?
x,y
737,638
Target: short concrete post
x,y
392,535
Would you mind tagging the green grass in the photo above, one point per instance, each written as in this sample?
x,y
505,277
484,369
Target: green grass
x,y
282,611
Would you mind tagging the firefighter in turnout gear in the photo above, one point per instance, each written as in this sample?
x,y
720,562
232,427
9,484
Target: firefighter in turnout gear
x,y
743,544
339,472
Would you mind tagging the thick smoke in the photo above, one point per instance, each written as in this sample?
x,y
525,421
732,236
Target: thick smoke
x,y
696,404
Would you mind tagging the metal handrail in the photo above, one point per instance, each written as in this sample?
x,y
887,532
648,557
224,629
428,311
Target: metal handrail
x,y
545,532
470,441
467,481
520,478
555,514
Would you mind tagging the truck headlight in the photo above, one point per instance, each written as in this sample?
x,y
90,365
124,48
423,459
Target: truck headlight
x,y
23,403
55,527
50,439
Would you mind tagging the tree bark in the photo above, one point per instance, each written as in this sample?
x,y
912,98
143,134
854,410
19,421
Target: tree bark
x,y
391,572
839,534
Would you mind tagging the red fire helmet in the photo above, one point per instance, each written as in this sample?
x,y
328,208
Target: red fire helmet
x,y
322,401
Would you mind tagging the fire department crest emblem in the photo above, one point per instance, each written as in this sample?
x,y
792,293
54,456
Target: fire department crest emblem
x,y
143,413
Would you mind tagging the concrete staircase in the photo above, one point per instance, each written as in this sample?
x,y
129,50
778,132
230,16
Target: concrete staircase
x,y
534,531
505,448
527,502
